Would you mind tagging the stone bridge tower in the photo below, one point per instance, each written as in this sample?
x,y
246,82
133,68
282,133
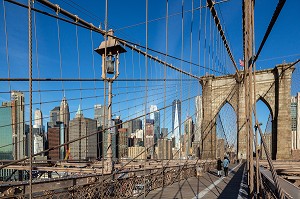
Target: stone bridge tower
x,y
273,87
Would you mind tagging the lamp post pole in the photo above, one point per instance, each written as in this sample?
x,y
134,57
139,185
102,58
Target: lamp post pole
x,y
109,135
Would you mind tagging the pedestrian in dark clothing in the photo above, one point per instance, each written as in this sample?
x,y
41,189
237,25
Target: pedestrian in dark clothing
x,y
219,167
225,165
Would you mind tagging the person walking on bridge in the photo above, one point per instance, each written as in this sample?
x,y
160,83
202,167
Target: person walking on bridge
x,y
225,165
219,167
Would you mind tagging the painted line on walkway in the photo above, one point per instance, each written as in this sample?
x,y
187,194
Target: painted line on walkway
x,y
212,185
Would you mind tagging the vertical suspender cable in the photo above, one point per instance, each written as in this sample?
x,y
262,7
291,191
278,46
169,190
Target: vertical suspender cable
x,y
59,53
204,60
165,67
30,93
199,43
181,66
6,45
165,76
146,95
191,56
38,69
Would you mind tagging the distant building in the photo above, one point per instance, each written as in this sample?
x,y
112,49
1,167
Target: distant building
x,y
164,133
6,138
38,133
54,139
137,152
188,136
38,119
18,124
64,117
118,136
176,122
129,126
153,109
38,140
138,137
149,137
155,116
199,118
136,124
83,149
12,135
295,121
164,149
56,136
122,143
100,114
54,116
64,113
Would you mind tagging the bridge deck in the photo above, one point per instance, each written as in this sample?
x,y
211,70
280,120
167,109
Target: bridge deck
x,y
207,186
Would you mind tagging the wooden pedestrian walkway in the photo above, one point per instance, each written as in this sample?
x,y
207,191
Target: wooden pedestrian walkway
x,y
207,186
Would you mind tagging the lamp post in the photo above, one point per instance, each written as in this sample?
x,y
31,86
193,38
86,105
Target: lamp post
x,y
110,50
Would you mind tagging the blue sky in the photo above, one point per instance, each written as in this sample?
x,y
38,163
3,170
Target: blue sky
x,y
282,45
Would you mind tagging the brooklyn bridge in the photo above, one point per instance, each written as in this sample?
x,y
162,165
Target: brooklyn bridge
x,y
149,99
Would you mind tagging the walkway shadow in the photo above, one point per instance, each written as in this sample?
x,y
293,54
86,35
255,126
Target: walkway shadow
x,y
232,190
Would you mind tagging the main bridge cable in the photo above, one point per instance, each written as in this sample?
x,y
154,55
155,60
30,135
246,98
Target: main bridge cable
x,y
270,27
79,20
213,11
129,44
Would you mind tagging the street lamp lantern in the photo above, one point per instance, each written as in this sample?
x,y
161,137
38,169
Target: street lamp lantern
x,y
110,60
110,69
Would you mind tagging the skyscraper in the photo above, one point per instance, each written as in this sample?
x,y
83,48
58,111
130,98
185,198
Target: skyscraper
x,y
199,118
176,122
188,135
99,114
38,132
64,117
6,153
122,143
64,114
295,114
136,124
154,115
38,119
164,133
153,109
149,137
119,136
18,124
54,116
56,137
86,148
